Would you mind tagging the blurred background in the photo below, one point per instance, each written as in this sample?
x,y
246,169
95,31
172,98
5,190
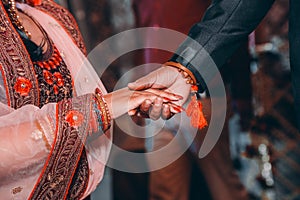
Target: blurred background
x,y
258,154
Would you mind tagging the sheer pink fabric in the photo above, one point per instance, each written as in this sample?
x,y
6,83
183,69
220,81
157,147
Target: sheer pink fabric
x,y
23,150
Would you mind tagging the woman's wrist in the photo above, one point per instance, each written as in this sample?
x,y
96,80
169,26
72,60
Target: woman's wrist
x,y
199,79
102,111
194,109
186,73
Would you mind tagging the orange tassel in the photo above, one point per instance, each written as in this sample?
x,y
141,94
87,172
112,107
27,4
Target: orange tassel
x,y
195,112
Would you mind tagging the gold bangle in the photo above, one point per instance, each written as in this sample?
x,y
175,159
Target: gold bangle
x,y
190,76
104,110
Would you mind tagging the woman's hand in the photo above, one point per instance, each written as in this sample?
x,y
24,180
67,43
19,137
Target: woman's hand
x,y
127,101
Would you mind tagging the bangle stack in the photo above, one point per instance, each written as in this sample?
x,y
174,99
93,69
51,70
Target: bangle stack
x,y
105,118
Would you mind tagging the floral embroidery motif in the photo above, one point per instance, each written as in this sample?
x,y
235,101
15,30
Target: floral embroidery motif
x,y
74,118
22,86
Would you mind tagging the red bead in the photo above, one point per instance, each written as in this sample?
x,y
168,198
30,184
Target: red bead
x,y
46,66
56,62
40,64
51,64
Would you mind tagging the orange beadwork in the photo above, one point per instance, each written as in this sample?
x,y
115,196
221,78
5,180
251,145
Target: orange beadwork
x,y
52,63
74,118
23,86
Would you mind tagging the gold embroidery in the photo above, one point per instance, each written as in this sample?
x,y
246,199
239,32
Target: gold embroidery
x,y
2,29
17,68
67,163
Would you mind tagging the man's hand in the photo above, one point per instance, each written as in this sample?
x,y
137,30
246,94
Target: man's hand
x,y
165,78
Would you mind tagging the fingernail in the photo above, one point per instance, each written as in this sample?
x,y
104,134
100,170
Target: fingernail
x,y
180,97
167,99
177,110
178,107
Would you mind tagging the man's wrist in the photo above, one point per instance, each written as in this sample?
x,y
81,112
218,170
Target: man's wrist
x,y
199,80
186,73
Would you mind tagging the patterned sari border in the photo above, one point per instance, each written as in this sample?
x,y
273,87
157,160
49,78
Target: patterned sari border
x,y
14,53
68,152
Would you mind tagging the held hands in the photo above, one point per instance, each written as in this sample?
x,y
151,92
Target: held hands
x,y
124,100
166,79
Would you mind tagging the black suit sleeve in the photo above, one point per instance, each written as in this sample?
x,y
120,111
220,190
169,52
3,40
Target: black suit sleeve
x,y
224,26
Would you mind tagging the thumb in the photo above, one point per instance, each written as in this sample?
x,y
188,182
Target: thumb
x,y
159,79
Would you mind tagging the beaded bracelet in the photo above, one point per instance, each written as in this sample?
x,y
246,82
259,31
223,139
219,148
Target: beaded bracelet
x,y
184,71
105,115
